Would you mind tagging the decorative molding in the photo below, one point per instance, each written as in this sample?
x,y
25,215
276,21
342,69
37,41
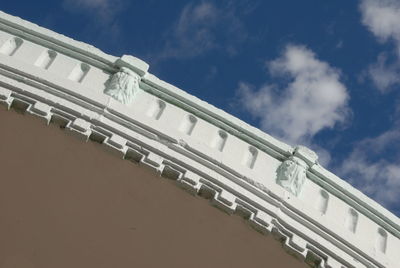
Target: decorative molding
x,y
291,174
308,155
123,85
150,133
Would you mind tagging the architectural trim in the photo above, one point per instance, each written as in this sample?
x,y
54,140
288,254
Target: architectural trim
x,y
123,85
292,174
167,130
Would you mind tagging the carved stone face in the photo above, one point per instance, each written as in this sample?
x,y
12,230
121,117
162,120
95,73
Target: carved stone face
x,y
291,174
123,86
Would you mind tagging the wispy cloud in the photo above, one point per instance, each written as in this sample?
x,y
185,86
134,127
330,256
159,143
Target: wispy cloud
x,y
374,168
106,10
382,18
384,75
100,23
90,3
373,164
310,99
201,28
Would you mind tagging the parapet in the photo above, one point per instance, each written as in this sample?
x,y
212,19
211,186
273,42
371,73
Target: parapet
x,y
281,190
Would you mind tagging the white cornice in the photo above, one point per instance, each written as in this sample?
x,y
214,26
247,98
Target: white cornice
x,y
135,131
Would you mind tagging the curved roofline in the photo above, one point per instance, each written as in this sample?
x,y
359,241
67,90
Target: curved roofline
x,y
68,100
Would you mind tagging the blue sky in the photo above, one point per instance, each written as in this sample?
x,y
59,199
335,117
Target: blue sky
x,y
325,74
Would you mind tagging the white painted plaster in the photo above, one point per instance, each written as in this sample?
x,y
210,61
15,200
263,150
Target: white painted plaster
x,y
123,85
207,151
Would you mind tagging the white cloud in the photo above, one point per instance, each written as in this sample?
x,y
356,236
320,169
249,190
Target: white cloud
x,y
313,98
201,28
368,170
382,18
373,166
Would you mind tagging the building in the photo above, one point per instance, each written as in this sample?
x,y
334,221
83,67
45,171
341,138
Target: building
x,y
68,203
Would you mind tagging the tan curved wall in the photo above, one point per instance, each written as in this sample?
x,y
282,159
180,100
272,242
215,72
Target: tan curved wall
x,y
66,203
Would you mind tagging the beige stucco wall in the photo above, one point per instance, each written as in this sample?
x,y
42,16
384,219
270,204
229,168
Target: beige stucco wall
x,y
67,203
